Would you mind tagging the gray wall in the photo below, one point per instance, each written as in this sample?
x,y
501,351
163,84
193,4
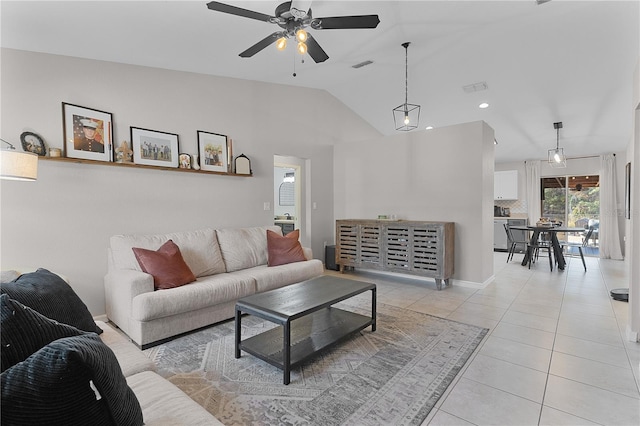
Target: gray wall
x,y
63,221
444,174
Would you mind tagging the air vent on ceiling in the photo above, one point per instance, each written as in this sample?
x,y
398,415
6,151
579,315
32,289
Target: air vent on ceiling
x,y
362,64
475,87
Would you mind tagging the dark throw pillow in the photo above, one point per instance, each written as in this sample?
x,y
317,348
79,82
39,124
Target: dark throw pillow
x,y
50,295
166,264
71,381
25,331
283,250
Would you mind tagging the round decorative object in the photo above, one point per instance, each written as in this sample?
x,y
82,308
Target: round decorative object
x,y
32,142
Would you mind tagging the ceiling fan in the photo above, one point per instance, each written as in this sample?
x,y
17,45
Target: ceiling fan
x,y
293,17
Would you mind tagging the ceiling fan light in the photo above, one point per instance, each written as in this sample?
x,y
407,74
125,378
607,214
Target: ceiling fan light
x,y
301,35
302,48
281,43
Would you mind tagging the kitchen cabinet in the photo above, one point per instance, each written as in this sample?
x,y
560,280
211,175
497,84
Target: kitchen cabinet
x,y
409,247
505,185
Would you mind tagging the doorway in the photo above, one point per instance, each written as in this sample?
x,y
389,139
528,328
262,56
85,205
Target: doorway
x,y
290,196
574,201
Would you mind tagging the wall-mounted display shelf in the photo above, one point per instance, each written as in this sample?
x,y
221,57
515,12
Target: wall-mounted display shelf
x,y
140,166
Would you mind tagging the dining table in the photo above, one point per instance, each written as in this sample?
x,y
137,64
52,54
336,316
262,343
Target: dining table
x,y
552,231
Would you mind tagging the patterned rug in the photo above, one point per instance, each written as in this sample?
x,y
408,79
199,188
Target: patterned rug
x,y
393,376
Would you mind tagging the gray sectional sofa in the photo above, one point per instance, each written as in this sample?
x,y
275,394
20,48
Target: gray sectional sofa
x,y
228,263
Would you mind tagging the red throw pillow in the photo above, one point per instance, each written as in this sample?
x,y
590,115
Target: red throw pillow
x,y
285,249
167,266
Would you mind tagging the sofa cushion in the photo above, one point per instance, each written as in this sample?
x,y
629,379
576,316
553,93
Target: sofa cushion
x,y
71,381
204,293
164,404
244,248
166,264
131,359
199,250
282,250
51,296
25,331
268,278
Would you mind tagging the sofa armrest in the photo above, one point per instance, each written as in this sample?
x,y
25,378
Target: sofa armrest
x,y
308,253
120,287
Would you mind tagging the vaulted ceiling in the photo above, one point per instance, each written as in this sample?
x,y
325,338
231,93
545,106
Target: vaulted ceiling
x,y
569,61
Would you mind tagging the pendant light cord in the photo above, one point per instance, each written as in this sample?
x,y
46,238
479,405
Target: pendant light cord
x,y
406,74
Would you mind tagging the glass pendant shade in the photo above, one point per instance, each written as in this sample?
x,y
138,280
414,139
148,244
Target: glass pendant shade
x,y
301,35
302,48
281,44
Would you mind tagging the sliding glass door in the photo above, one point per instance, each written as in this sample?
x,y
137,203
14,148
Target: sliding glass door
x,y
574,201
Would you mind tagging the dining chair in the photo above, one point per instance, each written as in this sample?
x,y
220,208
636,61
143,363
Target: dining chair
x,y
542,243
579,246
513,242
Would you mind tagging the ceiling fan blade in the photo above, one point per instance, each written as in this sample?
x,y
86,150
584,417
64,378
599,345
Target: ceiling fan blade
x,y
315,51
345,22
270,39
238,11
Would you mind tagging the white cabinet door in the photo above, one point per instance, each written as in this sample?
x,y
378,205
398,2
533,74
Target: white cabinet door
x,y
505,185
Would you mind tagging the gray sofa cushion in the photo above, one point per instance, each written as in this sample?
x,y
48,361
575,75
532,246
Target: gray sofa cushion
x,y
203,293
244,248
199,250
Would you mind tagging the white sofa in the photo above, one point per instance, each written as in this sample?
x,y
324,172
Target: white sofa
x,y
162,403
228,263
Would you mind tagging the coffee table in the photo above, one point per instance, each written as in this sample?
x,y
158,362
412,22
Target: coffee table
x,y
307,321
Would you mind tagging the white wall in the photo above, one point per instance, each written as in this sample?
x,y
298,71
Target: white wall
x,y
63,220
445,174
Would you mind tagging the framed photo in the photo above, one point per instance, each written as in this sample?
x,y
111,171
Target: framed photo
x,y
87,132
154,148
213,151
184,161
627,191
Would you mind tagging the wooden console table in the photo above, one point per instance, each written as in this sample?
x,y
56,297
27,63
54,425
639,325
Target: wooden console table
x,y
410,247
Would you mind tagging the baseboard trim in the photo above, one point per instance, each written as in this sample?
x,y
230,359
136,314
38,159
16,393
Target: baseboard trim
x,y
632,336
102,318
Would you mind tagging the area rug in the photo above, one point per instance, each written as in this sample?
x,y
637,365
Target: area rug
x,y
393,376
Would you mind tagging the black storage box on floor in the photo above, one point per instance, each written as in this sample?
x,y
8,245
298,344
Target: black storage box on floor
x,y
330,258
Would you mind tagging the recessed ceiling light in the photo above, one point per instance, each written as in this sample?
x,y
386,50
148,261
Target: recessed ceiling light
x,y
429,127
483,105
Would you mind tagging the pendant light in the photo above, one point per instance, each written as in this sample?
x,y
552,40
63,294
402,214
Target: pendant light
x,y
406,116
557,159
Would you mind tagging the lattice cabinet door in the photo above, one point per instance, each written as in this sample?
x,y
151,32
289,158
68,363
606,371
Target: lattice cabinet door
x,y
347,246
428,246
398,243
370,246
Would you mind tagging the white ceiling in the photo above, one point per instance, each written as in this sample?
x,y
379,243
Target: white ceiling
x,y
569,61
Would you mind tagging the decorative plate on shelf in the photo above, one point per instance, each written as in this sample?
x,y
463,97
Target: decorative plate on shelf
x,y
32,142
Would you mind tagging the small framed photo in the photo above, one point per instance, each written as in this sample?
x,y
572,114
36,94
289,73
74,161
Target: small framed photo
x,y
154,148
87,132
184,161
213,151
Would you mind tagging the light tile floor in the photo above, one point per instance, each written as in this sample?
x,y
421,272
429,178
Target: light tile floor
x,y
556,352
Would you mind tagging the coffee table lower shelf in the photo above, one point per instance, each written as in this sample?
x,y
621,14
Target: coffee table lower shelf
x,y
309,334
